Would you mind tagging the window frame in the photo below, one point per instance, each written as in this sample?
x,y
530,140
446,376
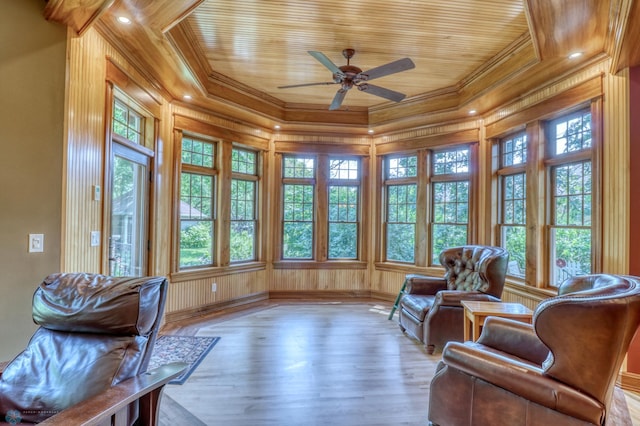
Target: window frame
x,y
195,170
447,178
553,161
254,179
409,180
347,182
322,184
505,171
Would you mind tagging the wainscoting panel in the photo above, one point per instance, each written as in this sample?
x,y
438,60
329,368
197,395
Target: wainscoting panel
x,y
197,295
318,280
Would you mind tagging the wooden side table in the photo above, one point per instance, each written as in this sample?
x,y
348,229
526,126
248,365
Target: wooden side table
x,y
476,312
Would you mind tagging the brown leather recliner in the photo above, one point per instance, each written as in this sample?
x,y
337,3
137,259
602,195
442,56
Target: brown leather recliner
x,y
559,371
95,332
430,308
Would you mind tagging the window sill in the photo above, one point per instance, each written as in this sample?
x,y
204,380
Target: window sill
x,y
196,274
527,290
309,264
434,271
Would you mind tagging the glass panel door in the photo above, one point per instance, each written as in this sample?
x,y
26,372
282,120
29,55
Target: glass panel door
x,y
128,237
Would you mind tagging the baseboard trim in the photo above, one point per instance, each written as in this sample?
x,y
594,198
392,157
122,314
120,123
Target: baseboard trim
x,y
215,307
383,296
629,381
320,294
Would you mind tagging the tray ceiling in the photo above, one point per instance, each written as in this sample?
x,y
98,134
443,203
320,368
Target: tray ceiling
x,y
241,51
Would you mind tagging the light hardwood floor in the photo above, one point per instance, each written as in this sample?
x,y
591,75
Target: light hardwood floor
x,y
307,363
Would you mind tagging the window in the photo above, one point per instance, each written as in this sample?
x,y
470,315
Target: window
x,y
128,166
243,205
197,184
127,123
298,206
401,206
512,201
571,196
450,200
344,208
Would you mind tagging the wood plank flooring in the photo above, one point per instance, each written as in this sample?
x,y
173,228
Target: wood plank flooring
x,y
307,363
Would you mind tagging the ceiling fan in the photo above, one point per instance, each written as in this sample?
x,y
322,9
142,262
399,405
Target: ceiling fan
x,y
348,76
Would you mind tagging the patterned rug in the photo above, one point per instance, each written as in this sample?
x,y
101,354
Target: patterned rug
x,y
189,349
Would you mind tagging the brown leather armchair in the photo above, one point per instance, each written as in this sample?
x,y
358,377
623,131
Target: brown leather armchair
x,y
559,371
95,333
430,308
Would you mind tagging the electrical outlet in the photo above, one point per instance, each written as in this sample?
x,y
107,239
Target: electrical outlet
x,y
214,287
36,243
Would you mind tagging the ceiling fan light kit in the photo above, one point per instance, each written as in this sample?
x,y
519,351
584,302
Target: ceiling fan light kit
x,y
348,76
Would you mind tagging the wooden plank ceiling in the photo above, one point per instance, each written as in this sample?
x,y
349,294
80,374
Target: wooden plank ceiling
x,y
246,49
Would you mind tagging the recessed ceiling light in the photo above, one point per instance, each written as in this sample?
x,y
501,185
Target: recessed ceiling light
x,y
472,111
277,127
575,55
187,97
370,131
124,20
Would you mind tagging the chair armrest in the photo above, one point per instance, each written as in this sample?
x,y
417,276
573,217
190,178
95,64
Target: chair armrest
x,y
515,338
454,297
146,387
521,378
423,284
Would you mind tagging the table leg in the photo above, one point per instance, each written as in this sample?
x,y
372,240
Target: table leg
x,y
468,325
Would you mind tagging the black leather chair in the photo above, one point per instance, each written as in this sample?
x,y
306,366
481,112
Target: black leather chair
x,y
559,371
430,308
95,333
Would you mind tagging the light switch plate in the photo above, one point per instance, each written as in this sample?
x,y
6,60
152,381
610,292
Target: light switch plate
x,y
95,238
36,243
96,192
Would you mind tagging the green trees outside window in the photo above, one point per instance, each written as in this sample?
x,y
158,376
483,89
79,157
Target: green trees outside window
x,y
401,190
196,204
450,200
512,201
571,199
243,205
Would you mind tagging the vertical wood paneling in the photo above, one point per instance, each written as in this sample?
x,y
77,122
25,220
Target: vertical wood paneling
x,y
529,301
85,147
85,160
197,294
318,280
615,174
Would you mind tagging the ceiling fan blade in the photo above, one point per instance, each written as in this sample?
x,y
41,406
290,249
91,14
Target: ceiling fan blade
x,y
324,83
325,61
382,92
390,68
337,99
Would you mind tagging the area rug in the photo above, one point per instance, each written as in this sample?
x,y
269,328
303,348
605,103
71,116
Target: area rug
x,y
189,349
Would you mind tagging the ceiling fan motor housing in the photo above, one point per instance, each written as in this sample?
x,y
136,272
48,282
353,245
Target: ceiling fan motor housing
x,y
349,75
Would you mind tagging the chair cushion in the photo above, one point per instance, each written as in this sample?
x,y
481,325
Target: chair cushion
x,y
417,305
91,303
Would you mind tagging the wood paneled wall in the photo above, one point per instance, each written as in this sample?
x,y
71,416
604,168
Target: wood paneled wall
x,y
84,167
615,174
85,148
193,297
334,280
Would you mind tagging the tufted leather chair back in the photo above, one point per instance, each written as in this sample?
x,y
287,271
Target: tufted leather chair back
x,y
473,267
95,331
588,329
